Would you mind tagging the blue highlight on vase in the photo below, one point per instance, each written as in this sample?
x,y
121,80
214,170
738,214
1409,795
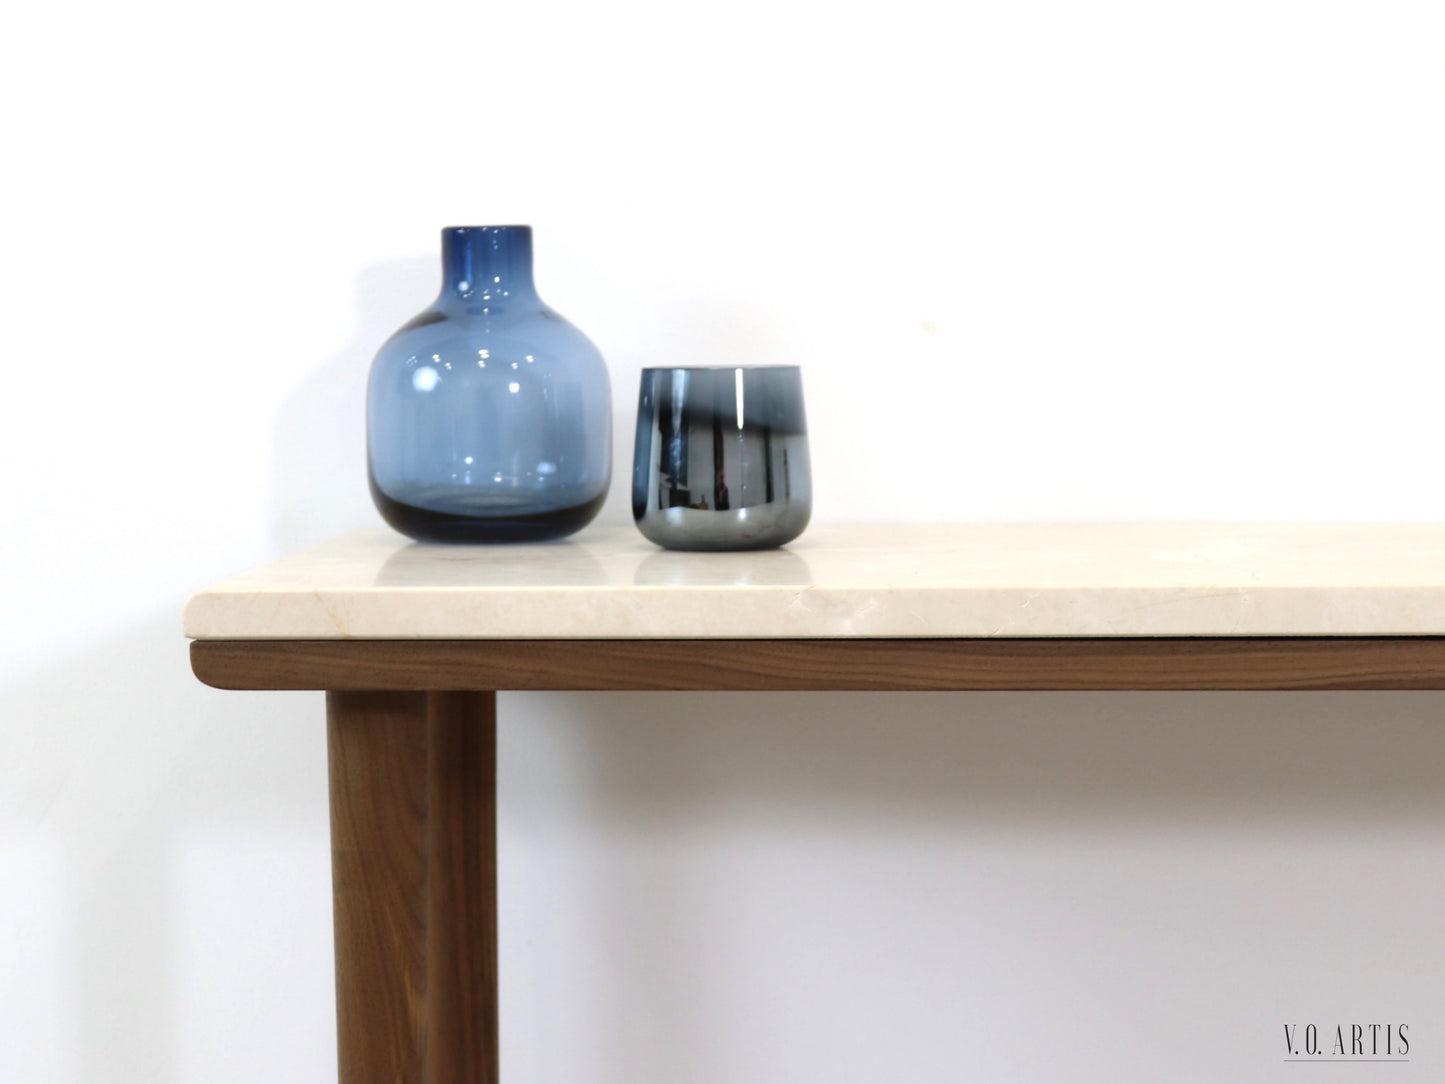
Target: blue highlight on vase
x,y
489,416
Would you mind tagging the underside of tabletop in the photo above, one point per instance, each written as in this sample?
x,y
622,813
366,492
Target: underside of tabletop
x,y
856,664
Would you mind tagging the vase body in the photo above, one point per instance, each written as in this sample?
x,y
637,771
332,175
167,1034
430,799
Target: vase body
x,y
489,416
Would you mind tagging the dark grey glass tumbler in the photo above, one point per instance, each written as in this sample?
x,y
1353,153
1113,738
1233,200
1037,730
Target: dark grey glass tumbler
x,y
722,458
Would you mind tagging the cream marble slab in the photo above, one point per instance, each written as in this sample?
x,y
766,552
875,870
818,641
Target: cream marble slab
x,y
1024,580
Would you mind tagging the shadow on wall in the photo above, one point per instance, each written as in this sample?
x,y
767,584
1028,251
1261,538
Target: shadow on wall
x,y
318,468
146,803
135,776
648,841
1201,759
156,804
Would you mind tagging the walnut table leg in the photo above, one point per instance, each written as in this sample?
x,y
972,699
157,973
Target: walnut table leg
x,y
413,844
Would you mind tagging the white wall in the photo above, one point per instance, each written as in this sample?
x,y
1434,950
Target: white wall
x,y
1041,261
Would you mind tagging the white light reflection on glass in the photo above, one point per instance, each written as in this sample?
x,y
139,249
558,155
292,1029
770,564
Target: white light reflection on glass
x,y
738,388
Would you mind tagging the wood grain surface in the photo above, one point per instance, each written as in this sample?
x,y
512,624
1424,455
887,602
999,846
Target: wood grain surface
x,y
377,761
461,956
414,886
853,664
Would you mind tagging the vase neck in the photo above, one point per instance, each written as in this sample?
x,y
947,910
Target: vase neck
x,y
487,263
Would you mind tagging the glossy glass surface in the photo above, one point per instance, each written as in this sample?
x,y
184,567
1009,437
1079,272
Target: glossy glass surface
x,y
721,461
489,416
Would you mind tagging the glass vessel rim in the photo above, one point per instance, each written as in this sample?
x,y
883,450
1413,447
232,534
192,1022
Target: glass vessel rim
x,y
479,229
718,368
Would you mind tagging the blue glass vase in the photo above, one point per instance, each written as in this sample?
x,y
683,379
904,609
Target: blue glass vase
x,y
488,416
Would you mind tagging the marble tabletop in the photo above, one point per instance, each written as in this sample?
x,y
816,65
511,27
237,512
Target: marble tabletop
x,y
855,581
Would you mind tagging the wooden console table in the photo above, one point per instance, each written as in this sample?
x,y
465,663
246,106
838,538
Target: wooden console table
x,y
412,642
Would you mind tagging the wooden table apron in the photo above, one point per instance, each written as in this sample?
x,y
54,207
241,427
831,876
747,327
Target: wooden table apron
x,y
411,732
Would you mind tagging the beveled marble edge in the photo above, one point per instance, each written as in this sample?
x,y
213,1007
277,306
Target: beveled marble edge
x,y
901,581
